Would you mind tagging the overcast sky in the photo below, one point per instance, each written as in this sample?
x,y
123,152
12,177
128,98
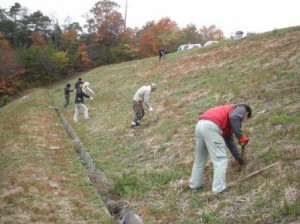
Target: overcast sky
x,y
228,15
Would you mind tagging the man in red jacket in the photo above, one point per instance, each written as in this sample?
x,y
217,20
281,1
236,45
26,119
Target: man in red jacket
x,y
214,131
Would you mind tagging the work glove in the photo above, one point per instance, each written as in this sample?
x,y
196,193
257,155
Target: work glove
x,y
243,140
151,109
91,98
240,162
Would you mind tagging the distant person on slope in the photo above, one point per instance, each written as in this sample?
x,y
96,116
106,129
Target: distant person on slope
x,y
79,103
86,87
161,53
77,83
214,131
140,97
67,91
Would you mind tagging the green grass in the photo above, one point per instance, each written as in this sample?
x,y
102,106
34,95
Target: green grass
x,y
261,70
40,184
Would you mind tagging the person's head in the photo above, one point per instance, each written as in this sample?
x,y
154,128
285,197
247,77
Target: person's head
x,y
81,84
79,79
68,85
248,111
153,87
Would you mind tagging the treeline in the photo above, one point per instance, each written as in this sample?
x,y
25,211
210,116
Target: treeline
x,y
35,50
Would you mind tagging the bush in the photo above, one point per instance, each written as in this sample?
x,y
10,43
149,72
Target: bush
x,y
5,99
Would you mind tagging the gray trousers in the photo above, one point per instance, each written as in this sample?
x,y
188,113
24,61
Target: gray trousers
x,y
209,141
139,111
67,101
78,107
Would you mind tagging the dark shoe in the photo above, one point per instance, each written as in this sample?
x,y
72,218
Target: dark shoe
x,y
138,124
196,189
219,194
133,126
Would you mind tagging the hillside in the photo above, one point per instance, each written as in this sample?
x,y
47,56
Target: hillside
x,y
148,166
151,166
41,178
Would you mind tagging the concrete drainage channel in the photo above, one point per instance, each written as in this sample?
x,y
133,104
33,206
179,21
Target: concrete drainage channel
x,y
118,209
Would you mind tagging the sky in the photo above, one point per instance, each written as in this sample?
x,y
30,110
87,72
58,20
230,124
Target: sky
x,y
228,15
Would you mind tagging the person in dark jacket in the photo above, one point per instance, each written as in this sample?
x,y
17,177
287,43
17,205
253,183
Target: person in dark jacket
x,y
162,53
79,103
214,131
67,91
77,83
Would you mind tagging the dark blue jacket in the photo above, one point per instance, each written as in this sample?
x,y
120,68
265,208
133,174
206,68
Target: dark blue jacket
x,y
79,96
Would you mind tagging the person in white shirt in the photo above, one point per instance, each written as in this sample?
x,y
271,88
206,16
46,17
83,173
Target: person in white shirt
x,y
140,97
86,87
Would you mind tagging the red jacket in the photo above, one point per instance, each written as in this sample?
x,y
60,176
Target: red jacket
x,y
220,116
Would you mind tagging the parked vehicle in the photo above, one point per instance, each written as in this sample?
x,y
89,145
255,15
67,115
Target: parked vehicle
x,y
238,35
211,42
185,47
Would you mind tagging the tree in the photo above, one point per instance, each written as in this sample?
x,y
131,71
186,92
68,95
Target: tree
x,y
109,32
168,33
210,33
106,27
189,34
8,62
55,35
39,23
153,36
8,68
7,27
83,55
14,11
148,45
37,39
128,49
101,11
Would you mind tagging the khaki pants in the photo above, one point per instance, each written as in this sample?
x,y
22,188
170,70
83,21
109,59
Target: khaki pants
x,y
79,107
209,141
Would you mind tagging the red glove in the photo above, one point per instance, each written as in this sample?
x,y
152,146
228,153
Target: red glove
x,y
240,162
243,140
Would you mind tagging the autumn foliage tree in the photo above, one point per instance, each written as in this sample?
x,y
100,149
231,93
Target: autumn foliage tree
x,y
148,41
106,27
8,69
38,40
153,36
83,55
210,33
7,59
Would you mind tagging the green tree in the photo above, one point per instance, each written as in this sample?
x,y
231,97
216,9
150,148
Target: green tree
x,y
39,23
189,34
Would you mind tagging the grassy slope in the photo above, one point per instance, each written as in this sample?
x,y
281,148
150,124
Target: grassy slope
x,y
148,166
38,182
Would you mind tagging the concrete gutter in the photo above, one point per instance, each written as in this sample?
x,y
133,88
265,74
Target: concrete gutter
x,y
122,213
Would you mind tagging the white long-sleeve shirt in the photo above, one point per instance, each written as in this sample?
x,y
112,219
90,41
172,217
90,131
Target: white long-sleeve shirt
x,y
86,87
143,95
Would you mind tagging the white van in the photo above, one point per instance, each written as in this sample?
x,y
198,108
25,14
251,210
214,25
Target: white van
x,y
185,47
211,42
